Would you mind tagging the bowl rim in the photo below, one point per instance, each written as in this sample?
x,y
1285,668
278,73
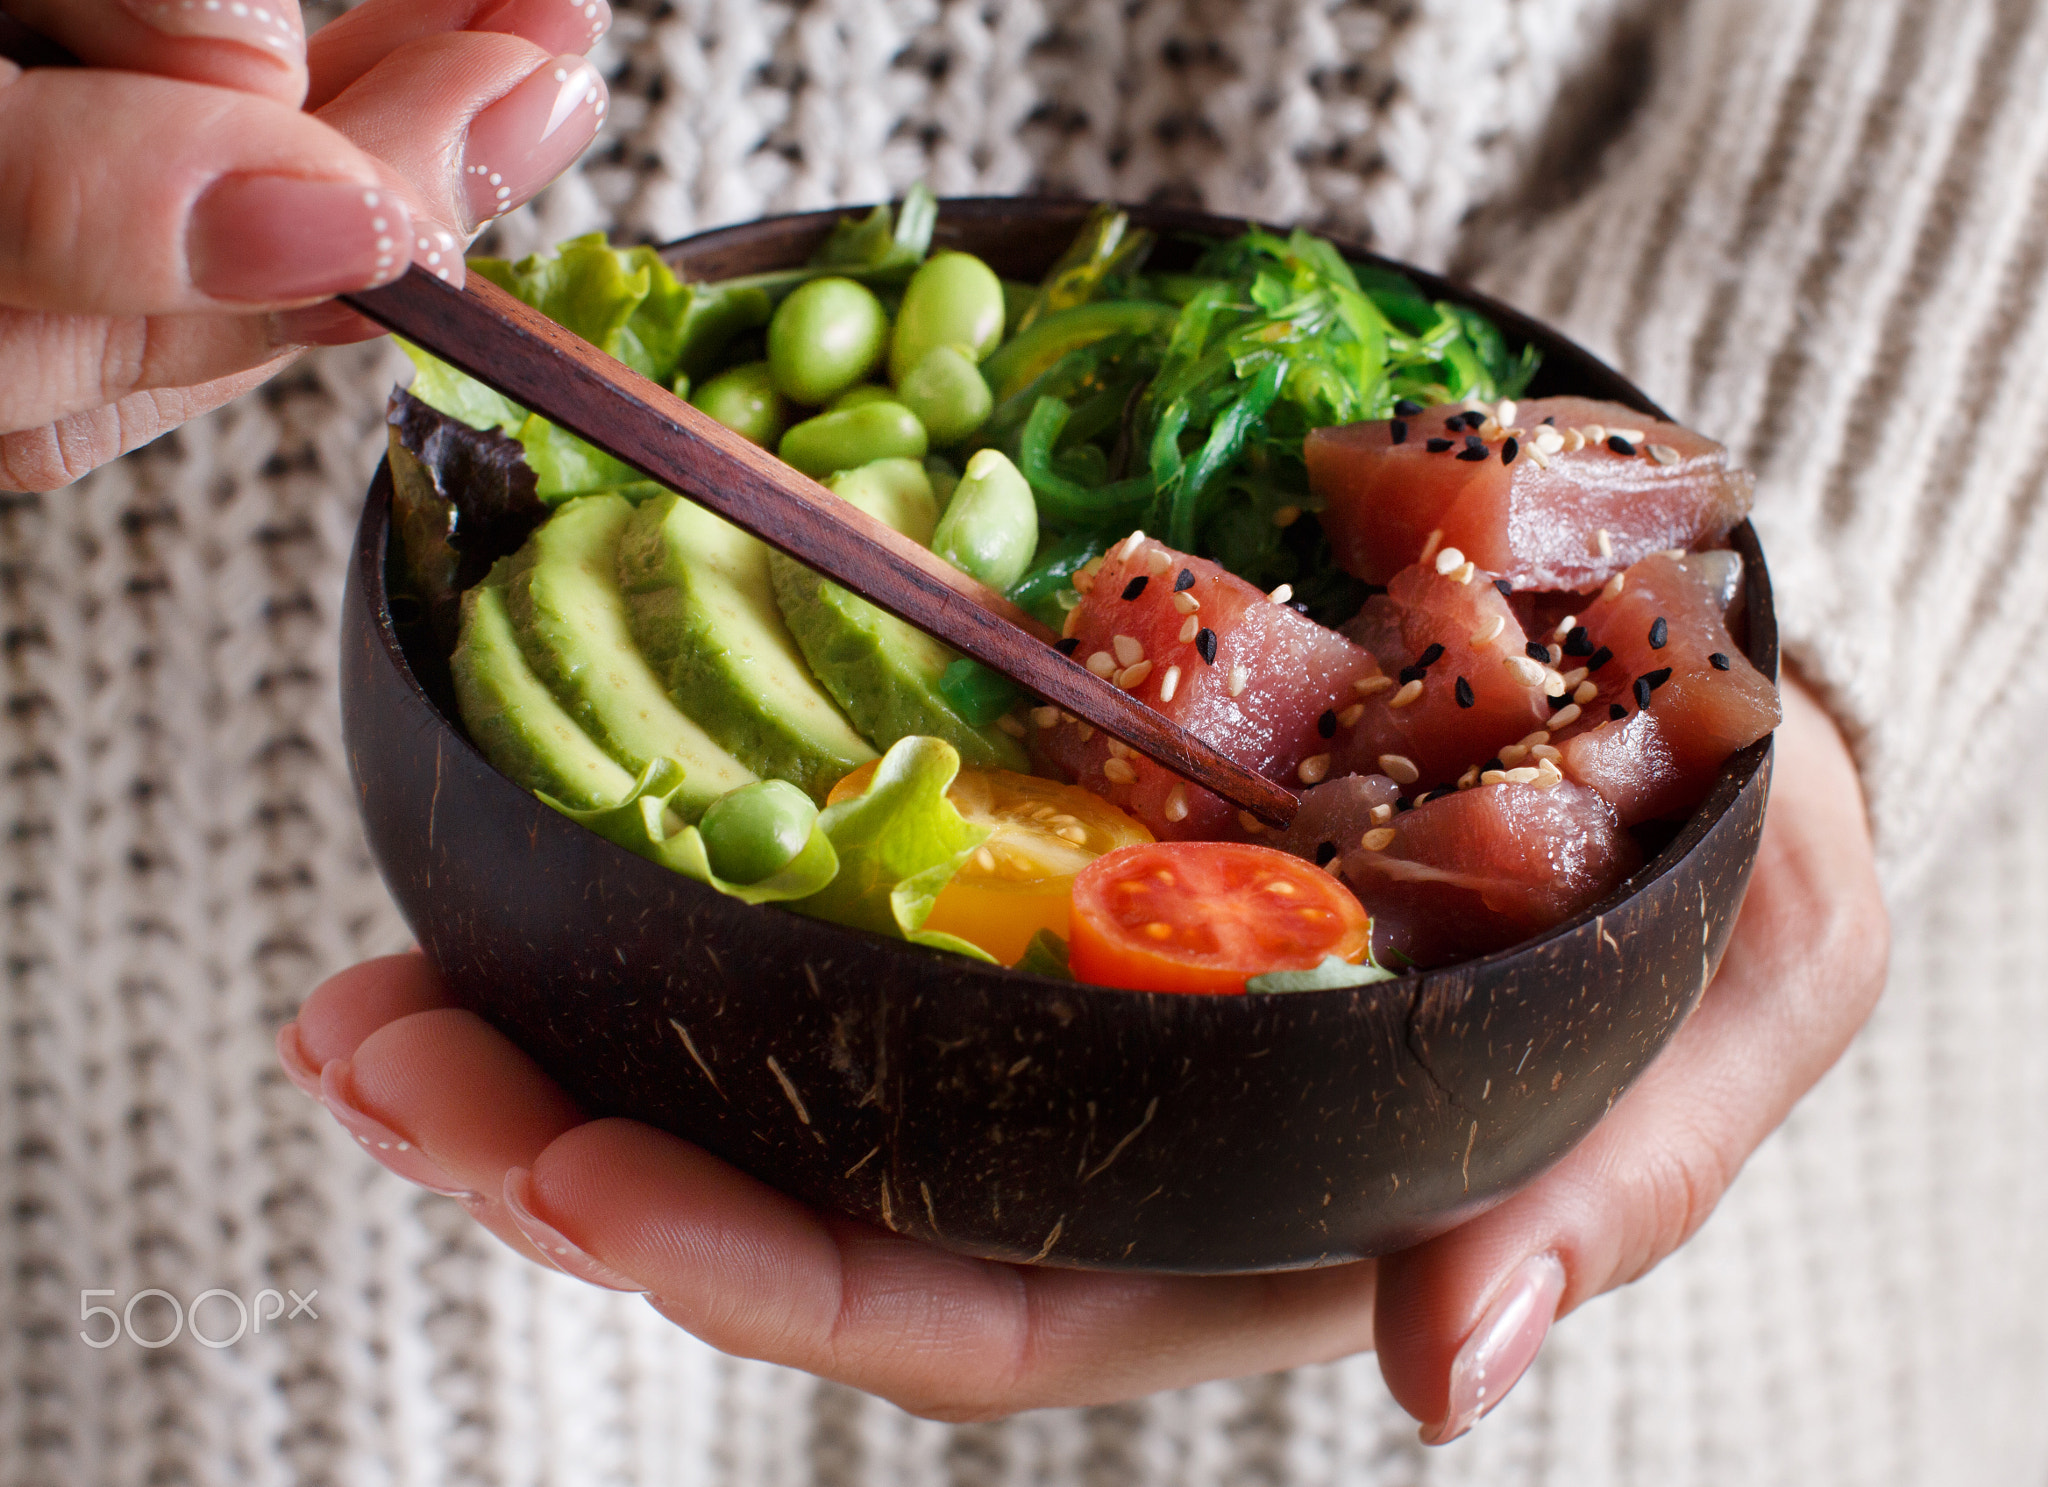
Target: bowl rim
x,y
1762,644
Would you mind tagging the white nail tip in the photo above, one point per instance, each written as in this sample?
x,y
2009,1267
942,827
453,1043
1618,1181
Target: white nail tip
x,y
577,87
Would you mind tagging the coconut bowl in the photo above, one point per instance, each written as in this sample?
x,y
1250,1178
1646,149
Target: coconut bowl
x,y
1002,1114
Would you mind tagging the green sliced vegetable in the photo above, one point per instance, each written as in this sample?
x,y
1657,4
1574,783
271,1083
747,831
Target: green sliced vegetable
x,y
1105,249
1031,353
978,694
1332,974
1046,955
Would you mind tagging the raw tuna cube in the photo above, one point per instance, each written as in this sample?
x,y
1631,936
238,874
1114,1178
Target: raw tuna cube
x,y
1669,644
1533,516
1334,817
1256,679
1455,634
1478,870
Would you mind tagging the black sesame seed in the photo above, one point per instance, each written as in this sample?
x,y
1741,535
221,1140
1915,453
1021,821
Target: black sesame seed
x,y
1455,423
1620,445
1598,659
1407,408
1327,724
1473,453
1398,431
1719,662
1300,607
1658,677
1430,657
1136,586
1660,632
1536,650
1473,441
1403,804
1509,450
1577,642
1438,446
1068,646
1550,422
1205,642
1324,852
1642,691
1505,589
1413,674
1464,694
1491,764
1441,791
1559,702
1616,711
1475,419
1184,581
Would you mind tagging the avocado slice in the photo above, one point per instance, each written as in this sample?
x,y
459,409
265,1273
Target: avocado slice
x,y
703,611
884,672
572,624
514,719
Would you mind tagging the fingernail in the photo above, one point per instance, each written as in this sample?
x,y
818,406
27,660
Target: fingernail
x,y
298,1064
530,136
258,238
439,251
330,323
272,29
1501,1347
559,25
338,1094
550,1241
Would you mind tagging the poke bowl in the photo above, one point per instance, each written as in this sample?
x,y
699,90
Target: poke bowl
x,y
997,1111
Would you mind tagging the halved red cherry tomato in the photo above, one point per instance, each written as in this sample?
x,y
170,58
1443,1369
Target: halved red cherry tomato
x,y
1205,916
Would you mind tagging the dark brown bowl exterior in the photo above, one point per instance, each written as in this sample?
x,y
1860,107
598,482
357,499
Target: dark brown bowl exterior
x,y
1006,1115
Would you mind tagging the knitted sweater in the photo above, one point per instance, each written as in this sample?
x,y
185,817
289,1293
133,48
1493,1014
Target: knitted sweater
x,y
1817,229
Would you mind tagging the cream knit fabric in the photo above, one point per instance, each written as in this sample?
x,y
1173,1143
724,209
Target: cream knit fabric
x,y
1818,229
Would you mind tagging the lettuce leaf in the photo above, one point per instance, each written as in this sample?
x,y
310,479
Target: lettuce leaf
x,y
1334,972
900,842
642,823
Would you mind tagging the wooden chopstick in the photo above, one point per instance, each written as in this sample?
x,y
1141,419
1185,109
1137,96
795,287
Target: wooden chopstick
x,y
510,347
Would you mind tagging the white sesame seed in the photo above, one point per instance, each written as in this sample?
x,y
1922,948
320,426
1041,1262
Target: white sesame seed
x,y
1087,730
1628,436
1548,440
1553,684
1186,602
1603,540
1045,717
1565,716
1406,695
1350,716
1367,686
1314,769
1487,632
1429,548
1447,559
1545,751
1399,768
1378,839
1526,775
1170,684
1565,626
1493,777
1158,561
1614,587
1576,675
1505,411
1252,824
1119,772
1010,726
1522,669
1382,813
1663,454
1593,433
1128,651
1548,775
1133,676
1071,625
1540,736
1512,755
1103,664
1469,778
1131,545
1177,803
1574,441
1465,571
1238,677
1585,692
1190,629
1489,430
1084,582
1118,749
1673,553
1542,460
1556,654
1282,594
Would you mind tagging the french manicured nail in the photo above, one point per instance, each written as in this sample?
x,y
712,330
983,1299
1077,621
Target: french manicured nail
x,y
550,1241
530,136
273,29
267,238
559,25
298,1064
338,1094
1501,1347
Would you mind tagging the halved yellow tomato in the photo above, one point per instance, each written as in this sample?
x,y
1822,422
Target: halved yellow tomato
x,y
1021,880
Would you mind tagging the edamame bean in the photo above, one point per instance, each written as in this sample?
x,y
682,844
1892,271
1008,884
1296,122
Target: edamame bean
x,y
853,437
948,395
896,493
757,830
945,478
954,299
828,335
867,392
991,528
745,401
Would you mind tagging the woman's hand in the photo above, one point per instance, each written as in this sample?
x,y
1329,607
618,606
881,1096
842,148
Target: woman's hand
x,y
443,1099
174,214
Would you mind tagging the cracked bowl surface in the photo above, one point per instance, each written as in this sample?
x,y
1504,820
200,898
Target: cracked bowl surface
x,y
1006,1115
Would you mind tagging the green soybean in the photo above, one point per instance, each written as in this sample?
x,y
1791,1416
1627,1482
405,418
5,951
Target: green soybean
x,y
991,528
866,392
954,299
757,830
944,476
745,401
853,437
947,393
824,338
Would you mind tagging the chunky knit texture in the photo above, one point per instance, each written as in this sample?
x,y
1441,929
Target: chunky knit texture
x,y
1816,228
